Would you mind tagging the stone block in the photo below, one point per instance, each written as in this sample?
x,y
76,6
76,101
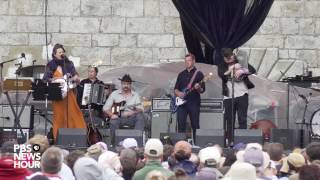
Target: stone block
x,y
295,69
8,24
317,26
26,7
256,56
306,26
105,40
145,25
275,10
155,40
311,8
38,39
79,25
127,8
131,56
64,7
292,53
291,8
37,24
72,39
172,25
308,56
113,25
151,7
4,51
4,7
167,8
95,7
179,41
280,66
128,40
14,39
270,26
93,55
265,41
289,25
301,42
269,60
169,53
283,54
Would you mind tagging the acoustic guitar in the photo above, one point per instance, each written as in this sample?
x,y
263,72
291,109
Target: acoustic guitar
x,y
118,108
93,134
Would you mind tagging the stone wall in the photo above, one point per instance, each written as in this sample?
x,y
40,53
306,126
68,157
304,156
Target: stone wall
x,y
123,32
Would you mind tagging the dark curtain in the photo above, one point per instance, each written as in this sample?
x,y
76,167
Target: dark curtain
x,y
218,24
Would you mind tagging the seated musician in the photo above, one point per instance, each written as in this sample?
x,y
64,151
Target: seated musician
x,y
92,79
132,116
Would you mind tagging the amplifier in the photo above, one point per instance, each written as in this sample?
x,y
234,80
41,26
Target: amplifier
x,y
211,113
7,117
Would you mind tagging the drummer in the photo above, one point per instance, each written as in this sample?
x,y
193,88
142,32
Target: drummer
x,y
92,79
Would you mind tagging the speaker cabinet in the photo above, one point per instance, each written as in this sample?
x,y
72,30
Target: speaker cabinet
x,y
72,137
172,138
290,138
205,137
160,121
122,134
7,117
248,136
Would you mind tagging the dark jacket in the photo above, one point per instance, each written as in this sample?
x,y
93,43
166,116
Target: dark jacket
x,y
187,166
223,67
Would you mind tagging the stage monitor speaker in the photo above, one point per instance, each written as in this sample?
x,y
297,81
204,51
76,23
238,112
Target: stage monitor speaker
x,y
105,133
122,134
159,123
205,137
72,137
290,138
7,117
172,138
211,113
248,136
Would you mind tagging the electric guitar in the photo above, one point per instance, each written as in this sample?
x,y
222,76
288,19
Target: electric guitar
x,y
117,108
178,101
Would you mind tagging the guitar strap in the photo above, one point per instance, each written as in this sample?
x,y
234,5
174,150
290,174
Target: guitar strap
x,y
192,79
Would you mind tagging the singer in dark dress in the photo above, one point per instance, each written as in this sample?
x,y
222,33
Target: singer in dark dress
x,y
66,112
242,84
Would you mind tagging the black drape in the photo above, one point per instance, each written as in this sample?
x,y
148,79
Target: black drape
x,y
219,24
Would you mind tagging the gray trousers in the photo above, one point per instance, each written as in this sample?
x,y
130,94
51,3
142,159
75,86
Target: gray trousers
x,y
136,121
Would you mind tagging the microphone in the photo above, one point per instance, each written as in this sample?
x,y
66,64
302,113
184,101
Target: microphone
x,y
5,117
23,55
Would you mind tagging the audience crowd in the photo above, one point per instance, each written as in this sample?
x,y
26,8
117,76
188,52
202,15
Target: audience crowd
x,y
158,161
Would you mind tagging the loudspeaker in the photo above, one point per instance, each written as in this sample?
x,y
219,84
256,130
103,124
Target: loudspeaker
x,y
7,117
290,138
172,138
106,136
72,137
122,134
205,137
160,121
211,120
248,136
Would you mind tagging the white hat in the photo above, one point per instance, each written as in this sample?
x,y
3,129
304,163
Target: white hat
x,y
129,143
153,148
241,171
209,153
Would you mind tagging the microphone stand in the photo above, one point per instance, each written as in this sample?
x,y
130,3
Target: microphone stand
x,y
303,123
1,70
231,138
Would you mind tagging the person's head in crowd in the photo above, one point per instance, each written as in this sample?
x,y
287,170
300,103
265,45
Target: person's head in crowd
x,y
313,151
155,175
103,146
87,168
240,146
111,160
40,140
209,157
182,150
7,148
39,177
73,157
206,174
179,174
51,160
241,171
194,158
275,151
130,143
94,151
167,151
293,163
128,160
309,172
153,149
230,156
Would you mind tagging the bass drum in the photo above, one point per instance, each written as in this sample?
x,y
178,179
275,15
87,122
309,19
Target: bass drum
x,y
315,123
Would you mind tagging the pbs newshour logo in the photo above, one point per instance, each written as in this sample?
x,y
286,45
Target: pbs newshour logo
x,y
26,156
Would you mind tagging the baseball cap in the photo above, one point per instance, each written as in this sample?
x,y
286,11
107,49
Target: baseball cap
x,y
153,147
129,143
209,153
253,156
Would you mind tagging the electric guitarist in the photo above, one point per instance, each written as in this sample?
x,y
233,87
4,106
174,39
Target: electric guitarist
x,y
188,79
131,115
